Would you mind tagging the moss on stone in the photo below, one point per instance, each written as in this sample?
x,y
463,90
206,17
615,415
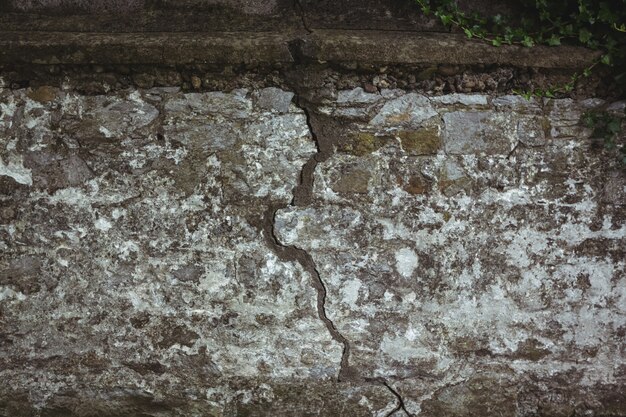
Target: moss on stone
x,y
426,74
531,349
42,94
362,143
420,142
417,185
353,181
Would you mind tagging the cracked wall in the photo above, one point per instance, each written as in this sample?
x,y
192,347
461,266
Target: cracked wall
x,y
308,252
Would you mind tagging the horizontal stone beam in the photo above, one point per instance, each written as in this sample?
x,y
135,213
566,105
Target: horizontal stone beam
x,y
376,47
142,48
438,48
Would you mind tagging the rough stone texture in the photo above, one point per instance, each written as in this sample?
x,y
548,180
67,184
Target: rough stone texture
x,y
468,250
485,279
133,263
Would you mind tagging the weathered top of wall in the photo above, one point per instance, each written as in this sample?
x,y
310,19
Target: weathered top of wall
x,y
249,32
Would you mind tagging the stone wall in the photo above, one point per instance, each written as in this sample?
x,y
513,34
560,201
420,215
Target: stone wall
x,y
232,253
236,208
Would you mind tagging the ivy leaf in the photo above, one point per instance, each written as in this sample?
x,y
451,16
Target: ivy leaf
x,y
527,41
609,144
496,42
605,14
468,33
589,120
606,59
614,126
554,40
593,44
584,35
567,30
445,19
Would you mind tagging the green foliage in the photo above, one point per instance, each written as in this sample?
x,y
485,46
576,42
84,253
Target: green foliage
x,y
596,24
607,127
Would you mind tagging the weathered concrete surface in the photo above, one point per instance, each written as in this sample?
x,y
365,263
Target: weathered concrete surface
x,y
212,15
141,48
469,250
334,46
434,48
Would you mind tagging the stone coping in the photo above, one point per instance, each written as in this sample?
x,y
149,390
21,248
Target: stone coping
x,y
326,46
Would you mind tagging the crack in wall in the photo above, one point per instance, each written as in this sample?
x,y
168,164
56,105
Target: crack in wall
x,y
401,405
325,141
300,12
295,254
303,196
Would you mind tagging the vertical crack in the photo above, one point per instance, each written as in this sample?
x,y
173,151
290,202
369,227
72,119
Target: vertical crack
x,y
302,196
303,192
295,254
300,12
401,405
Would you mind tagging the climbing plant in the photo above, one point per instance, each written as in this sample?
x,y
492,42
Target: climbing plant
x,y
607,127
599,25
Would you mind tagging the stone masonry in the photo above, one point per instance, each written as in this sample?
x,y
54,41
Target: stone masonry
x,y
257,252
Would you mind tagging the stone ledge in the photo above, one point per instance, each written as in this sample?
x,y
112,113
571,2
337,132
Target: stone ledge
x,y
136,48
437,48
334,46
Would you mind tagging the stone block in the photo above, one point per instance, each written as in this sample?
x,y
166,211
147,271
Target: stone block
x,y
490,132
407,111
274,99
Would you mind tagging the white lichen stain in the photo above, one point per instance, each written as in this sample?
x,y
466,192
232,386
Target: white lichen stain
x,y
7,110
124,249
7,293
106,132
350,292
15,169
71,196
102,224
403,350
406,262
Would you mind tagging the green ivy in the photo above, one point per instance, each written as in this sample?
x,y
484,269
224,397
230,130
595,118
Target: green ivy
x,y
599,25
607,127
